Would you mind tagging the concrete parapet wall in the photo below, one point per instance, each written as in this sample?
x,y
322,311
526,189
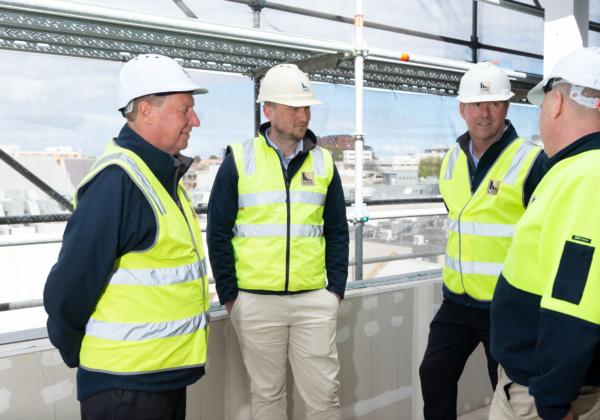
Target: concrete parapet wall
x,y
382,333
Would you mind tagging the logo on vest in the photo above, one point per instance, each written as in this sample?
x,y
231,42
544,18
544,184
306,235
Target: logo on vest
x,y
308,178
493,187
581,239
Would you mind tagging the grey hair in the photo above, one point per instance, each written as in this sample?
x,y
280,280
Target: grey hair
x,y
130,111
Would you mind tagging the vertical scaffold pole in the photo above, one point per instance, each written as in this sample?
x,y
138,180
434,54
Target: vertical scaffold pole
x,y
256,105
359,213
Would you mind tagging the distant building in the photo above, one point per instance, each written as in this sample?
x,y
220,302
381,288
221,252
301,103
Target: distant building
x,y
341,147
200,177
59,167
349,156
400,169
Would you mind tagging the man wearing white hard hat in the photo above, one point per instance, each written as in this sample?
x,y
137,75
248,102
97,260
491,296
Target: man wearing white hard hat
x,y
128,298
278,244
486,180
546,308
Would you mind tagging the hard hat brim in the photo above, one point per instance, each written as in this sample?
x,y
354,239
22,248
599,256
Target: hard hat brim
x,y
196,91
470,99
292,102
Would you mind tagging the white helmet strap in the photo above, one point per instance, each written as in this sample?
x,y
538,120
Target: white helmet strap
x,y
576,94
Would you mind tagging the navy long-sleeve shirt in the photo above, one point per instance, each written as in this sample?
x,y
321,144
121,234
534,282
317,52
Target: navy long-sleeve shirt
x,y
112,218
222,212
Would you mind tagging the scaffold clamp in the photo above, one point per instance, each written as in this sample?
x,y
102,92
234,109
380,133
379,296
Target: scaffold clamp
x,y
360,215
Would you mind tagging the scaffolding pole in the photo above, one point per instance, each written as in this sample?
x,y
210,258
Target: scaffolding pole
x,y
359,213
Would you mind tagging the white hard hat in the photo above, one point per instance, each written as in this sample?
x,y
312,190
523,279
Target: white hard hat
x,y
288,85
484,82
580,68
149,74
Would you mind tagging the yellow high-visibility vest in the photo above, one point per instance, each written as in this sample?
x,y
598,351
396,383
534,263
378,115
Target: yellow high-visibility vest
x,y
481,224
553,252
278,236
153,314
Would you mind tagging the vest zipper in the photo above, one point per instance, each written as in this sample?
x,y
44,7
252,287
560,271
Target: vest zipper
x,y
288,227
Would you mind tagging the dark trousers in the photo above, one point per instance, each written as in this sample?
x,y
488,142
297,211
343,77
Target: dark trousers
x,y
455,332
123,404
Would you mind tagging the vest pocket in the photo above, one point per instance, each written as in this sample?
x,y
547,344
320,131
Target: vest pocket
x,y
572,272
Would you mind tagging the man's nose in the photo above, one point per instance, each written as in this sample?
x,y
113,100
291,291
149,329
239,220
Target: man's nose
x,y
484,109
304,114
194,119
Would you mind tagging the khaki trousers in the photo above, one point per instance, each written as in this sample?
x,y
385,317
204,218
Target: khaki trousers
x,y
274,328
522,405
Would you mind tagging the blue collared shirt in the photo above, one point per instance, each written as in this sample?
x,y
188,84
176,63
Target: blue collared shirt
x,y
475,158
285,160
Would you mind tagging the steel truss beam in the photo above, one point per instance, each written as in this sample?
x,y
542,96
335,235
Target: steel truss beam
x,y
89,35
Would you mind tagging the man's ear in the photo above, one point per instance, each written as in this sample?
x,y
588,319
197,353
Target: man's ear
x,y
461,109
145,111
267,111
556,103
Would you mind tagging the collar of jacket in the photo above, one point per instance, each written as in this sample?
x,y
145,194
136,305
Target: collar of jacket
x,y
495,148
584,144
168,169
310,139
477,173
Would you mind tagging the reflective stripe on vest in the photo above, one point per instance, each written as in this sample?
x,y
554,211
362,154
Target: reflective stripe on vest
x,y
140,177
481,229
249,158
452,162
152,315
278,234
159,276
144,331
270,197
471,267
481,224
318,161
307,231
517,162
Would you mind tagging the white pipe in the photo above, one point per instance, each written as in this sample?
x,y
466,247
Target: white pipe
x,y
434,62
402,213
31,239
358,94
